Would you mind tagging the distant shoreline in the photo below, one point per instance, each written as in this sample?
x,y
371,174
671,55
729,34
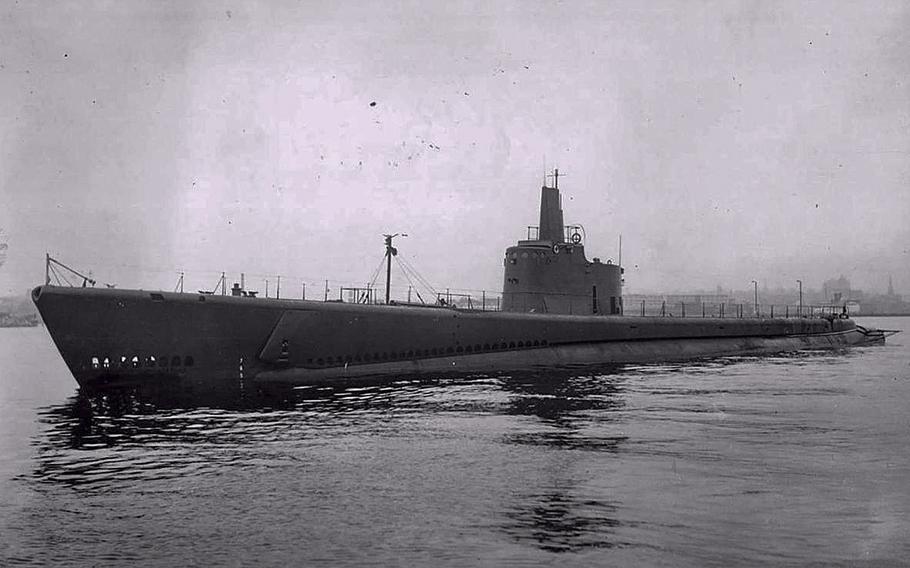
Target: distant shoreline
x,y
18,311
19,320
12,324
881,315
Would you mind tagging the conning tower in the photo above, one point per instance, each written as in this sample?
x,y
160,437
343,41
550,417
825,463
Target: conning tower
x,y
548,272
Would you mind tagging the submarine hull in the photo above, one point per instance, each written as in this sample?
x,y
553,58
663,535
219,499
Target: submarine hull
x,y
577,356
107,335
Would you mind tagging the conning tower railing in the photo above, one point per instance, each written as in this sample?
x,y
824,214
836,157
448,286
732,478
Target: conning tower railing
x,y
571,233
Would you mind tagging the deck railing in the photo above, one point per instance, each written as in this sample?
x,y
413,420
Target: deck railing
x,y
729,310
290,288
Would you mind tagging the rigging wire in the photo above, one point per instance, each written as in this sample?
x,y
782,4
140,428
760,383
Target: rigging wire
x,y
376,273
419,277
60,275
414,277
215,289
410,270
411,282
50,270
411,277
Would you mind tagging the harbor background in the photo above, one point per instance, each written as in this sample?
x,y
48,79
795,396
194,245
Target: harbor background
x,y
789,459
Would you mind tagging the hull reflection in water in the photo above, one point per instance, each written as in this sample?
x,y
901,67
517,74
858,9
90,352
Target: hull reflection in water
x,y
117,439
136,414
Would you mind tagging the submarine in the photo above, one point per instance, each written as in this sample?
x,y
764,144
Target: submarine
x,y
557,309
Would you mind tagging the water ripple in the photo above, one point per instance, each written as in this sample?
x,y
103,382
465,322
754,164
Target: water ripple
x,y
740,460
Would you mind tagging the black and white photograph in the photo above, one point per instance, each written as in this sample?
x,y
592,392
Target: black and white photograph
x,y
454,283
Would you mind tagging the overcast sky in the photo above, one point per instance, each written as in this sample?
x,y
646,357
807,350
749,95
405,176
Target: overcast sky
x,y
726,141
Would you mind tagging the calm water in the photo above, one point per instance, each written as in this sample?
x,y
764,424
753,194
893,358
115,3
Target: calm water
x,y
782,460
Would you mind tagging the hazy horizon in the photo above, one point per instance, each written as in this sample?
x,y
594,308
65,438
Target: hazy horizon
x,y
726,141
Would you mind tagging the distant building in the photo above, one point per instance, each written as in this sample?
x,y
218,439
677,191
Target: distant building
x,y
891,294
886,304
838,291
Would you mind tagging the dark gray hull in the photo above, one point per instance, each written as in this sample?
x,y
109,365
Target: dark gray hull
x,y
114,335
